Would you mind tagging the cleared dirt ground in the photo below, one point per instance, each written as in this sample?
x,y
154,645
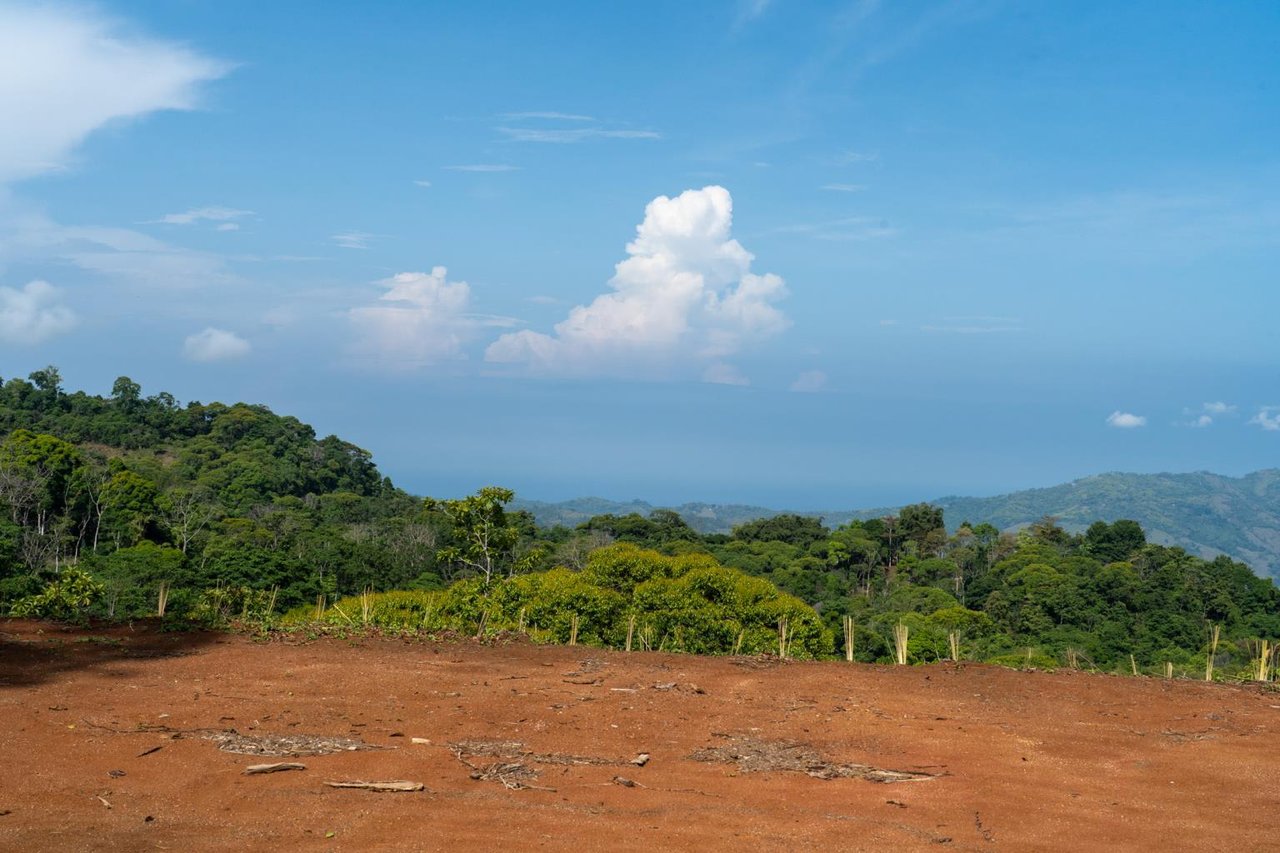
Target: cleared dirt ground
x,y
113,740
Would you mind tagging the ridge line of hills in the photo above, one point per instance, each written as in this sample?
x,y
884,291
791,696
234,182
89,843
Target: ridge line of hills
x,y
1204,513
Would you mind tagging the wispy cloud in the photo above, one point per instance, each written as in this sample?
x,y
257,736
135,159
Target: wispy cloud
x,y
849,228
68,69
481,167
545,115
843,188
1207,414
849,157
352,239
214,213
748,11
423,184
723,373
809,382
215,345
33,313
1268,417
1125,420
980,325
129,255
1180,222
569,135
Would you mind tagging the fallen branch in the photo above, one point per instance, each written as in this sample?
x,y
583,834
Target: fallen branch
x,y
254,769
388,787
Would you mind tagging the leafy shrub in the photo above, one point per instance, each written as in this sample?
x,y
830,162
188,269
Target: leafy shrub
x,y
682,603
67,597
215,608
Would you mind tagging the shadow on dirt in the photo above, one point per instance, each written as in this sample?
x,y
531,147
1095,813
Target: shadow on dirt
x,y
33,652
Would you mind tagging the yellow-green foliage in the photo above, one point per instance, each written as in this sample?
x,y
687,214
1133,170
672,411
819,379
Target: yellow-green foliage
x,y
684,603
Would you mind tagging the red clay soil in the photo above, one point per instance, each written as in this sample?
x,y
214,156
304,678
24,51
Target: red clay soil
x,y
107,747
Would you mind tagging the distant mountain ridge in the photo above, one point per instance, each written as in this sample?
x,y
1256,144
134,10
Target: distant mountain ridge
x,y
1207,514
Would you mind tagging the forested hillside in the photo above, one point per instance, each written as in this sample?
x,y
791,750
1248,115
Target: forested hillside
x,y
125,505
1206,514
140,489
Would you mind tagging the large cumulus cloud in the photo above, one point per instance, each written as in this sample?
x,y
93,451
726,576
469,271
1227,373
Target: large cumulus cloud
x,y
684,297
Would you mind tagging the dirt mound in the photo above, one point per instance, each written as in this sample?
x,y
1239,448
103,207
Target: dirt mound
x,y
133,739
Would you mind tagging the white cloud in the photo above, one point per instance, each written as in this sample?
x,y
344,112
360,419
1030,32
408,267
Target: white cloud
x,y
422,319
848,157
975,325
684,297
547,115
67,70
33,314
197,214
723,373
423,184
845,229
1125,420
1268,417
810,381
572,134
352,239
1207,413
843,188
748,11
481,167
123,253
215,345
228,226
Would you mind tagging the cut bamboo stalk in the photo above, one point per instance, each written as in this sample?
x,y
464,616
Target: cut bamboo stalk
x,y
953,640
162,599
782,637
631,630
256,769
1168,669
521,620
319,607
380,786
848,638
1133,665
573,631
1213,651
901,633
1262,671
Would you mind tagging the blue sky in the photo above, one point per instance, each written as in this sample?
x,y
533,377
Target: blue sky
x,y
801,254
